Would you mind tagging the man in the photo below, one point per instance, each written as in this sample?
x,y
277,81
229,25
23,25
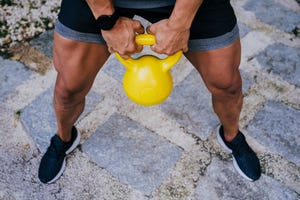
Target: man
x,y
88,31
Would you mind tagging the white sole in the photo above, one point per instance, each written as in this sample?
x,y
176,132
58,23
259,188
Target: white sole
x,y
61,171
63,167
220,140
237,168
235,165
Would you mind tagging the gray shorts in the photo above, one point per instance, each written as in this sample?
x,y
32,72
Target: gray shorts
x,y
214,25
194,44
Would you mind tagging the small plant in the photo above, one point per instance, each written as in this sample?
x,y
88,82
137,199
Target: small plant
x,y
17,117
3,29
6,2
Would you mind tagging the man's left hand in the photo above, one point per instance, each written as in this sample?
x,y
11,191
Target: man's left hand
x,y
169,38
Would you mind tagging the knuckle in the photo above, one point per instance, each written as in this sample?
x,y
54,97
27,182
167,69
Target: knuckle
x,y
148,29
139,48
131,48
169,52
151,29
137,23
125,56
185,49
122,52
155,49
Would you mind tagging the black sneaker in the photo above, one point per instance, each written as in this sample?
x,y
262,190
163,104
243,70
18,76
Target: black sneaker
x,y
245,160
53,162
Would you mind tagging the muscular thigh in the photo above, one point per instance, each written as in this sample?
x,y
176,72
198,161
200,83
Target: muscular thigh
x,y
218,67
77,63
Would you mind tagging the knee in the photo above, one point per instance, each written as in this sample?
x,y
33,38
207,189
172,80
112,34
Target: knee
x,y
226,86
67,95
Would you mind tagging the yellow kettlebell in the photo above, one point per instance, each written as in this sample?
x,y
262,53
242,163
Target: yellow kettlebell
x,y
147,80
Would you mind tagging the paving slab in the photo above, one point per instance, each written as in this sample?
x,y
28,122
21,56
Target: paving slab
x,y
277,126
38,118
282,61
244,29
114,68
44,43
125,160
274,14
132,153
221,181
247,80
12,74
190,105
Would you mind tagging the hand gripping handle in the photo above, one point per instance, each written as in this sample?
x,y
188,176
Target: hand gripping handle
x,y
149,39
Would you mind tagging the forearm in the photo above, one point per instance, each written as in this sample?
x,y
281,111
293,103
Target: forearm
x,y
101,7
184,12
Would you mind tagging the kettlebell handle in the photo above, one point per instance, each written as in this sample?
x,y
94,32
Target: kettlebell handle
x,y
145,39
149,39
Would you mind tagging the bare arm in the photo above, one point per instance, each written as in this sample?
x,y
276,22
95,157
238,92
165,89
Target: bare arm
x,y
184,12
172,34
121,38
101,7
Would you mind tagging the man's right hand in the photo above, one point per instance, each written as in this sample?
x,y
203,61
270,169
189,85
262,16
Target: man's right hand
x,y
121,38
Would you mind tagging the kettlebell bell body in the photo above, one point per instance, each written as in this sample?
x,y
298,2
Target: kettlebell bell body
x,y
147,80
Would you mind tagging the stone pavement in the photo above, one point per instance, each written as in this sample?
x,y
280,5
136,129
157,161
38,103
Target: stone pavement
x,y
167,151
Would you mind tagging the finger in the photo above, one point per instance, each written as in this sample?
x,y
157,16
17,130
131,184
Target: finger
x,y
149,29
139,48
111,50
140,30
124,56
138,27
156,49
169,53
185,49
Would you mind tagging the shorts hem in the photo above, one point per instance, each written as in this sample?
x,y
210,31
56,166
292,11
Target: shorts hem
x,y
215,42
78,36
193,45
